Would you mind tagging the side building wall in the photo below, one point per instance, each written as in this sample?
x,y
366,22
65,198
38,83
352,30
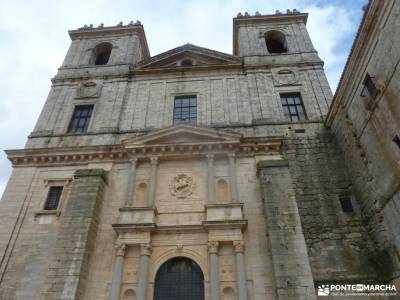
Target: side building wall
x,y
366,127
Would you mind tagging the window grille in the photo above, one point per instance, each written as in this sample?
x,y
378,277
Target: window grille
x,y
81,118
53,198
185,109
293,107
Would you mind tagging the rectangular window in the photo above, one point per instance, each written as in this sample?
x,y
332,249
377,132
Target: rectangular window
x,y
53,198
370,87
345,202
185,109
293,107
81,118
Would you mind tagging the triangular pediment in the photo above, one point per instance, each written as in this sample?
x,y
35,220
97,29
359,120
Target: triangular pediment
x,y
182,134
195,55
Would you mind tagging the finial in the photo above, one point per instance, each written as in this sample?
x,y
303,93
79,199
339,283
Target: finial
x,y
138,22
91,25
295,11
101,25
239,15
85,26
246,14
277,12
258,13
130,23
120,24
288,11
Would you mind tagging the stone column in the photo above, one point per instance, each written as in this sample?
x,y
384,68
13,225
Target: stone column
x,y
145,251
117,272
232,176
130,189
210,179
214,275
240,270
153,181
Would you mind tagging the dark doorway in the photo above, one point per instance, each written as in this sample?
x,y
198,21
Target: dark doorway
x,y
179,278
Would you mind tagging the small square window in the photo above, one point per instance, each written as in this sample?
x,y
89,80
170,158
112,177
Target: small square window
x,y
396,140
370,88
53,198
345,202
80,118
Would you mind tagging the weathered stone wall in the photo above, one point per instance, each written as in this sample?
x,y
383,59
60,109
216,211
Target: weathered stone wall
x,y
69,266
365,128
337,241
133,106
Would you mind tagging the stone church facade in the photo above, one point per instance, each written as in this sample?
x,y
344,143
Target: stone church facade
x,y
192,174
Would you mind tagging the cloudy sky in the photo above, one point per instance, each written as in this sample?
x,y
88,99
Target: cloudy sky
x,y
34,40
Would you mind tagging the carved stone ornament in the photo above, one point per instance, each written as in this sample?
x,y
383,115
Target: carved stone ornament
x,y
145,249
89,89
285,77
120,249
182,186
238,246
213,247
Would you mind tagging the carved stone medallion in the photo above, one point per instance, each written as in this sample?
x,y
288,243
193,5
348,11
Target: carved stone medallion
x,y
285,77
181,186
89,89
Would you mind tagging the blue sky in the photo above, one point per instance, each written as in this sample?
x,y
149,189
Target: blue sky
x,y
34,41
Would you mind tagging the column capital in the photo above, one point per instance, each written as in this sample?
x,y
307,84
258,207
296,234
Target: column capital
x,y
133,160
145,249
120,247
238,246
213,247
231,155
210,157
154,160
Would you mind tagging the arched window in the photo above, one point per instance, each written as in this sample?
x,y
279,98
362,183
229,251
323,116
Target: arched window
x,y
141,192
222,191
101,54
187,62
275,41
179,278
228,294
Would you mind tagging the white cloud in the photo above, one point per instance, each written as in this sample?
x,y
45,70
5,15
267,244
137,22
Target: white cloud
x,y
35,40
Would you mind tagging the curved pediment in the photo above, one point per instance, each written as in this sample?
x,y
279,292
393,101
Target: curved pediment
x,y
182,134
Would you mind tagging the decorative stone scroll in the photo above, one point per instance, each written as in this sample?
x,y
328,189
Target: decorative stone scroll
x,y
89,89
238,246
212,247
145,249
182,186
120,249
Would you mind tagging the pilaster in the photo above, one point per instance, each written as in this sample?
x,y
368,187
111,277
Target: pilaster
x,y
291,264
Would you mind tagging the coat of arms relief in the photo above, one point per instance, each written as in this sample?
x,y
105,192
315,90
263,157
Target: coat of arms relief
x,y
182,186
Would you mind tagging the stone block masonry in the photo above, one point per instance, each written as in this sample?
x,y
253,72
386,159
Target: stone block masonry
x,y
68,271
289,252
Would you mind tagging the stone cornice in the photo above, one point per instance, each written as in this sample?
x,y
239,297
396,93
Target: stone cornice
x,y
119,154
182,69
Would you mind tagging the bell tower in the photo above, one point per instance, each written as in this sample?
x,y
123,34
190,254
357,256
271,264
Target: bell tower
x,y
278,39
109,46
